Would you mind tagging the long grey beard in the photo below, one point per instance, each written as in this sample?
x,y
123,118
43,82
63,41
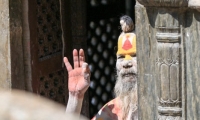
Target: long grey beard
x,y
125,87
127,92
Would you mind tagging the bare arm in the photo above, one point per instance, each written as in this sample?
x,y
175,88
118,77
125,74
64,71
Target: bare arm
x,y
78,81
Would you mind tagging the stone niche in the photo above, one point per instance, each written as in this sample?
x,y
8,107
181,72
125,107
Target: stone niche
x,y
168,40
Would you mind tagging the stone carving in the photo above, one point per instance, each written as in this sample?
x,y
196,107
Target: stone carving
x,y
169,83
169,87
168,52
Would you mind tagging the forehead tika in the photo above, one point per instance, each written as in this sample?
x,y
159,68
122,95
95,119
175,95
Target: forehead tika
x,y
127,45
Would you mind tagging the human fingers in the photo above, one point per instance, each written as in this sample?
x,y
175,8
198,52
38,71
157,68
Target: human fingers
x,y
75,58
81,56
67,64
86,71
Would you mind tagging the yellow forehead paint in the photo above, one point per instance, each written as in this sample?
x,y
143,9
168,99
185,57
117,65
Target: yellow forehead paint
x,y
127,45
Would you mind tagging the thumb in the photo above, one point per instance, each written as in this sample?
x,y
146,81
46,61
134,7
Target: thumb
x,y
86,71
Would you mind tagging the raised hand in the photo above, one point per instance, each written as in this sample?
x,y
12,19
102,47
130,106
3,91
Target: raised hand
x,y
79,77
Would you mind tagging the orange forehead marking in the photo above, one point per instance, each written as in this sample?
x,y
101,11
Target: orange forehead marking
x,y
127,45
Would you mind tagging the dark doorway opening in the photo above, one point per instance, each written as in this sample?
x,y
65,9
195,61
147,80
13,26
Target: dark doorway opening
x,y
103,29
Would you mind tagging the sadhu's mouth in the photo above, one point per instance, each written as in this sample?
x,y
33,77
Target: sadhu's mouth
x,y
128,74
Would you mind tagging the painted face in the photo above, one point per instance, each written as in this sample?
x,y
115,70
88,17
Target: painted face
x,y
126,82
127,45
126,61
126,69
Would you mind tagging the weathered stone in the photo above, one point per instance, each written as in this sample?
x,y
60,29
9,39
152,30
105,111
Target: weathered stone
x,y
168,61
195,4
5,61
146,79
192,64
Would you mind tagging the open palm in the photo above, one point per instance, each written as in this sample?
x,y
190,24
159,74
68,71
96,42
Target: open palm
x,y
79,77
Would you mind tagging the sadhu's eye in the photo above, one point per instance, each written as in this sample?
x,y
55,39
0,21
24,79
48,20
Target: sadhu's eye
x,y
133,55
120,57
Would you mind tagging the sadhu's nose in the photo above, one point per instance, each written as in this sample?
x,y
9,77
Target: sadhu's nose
x,y
127,64
127,57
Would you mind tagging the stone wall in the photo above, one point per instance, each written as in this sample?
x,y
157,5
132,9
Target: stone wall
x,y
5,57
192,63
168,34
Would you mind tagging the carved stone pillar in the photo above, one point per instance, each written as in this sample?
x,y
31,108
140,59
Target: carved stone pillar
x,y
167,31
168,65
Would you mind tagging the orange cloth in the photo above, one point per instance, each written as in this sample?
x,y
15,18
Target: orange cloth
x,y
110,111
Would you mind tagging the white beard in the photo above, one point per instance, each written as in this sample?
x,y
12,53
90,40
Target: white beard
x,y
126,90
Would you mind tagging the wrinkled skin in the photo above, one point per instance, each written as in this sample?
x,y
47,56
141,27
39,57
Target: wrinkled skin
x,y
79,77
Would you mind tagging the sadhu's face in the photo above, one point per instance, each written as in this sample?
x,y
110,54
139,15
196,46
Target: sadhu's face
x,y
126,57
126,69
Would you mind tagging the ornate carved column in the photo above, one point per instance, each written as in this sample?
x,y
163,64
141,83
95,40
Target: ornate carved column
x,y
168,66
166,30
